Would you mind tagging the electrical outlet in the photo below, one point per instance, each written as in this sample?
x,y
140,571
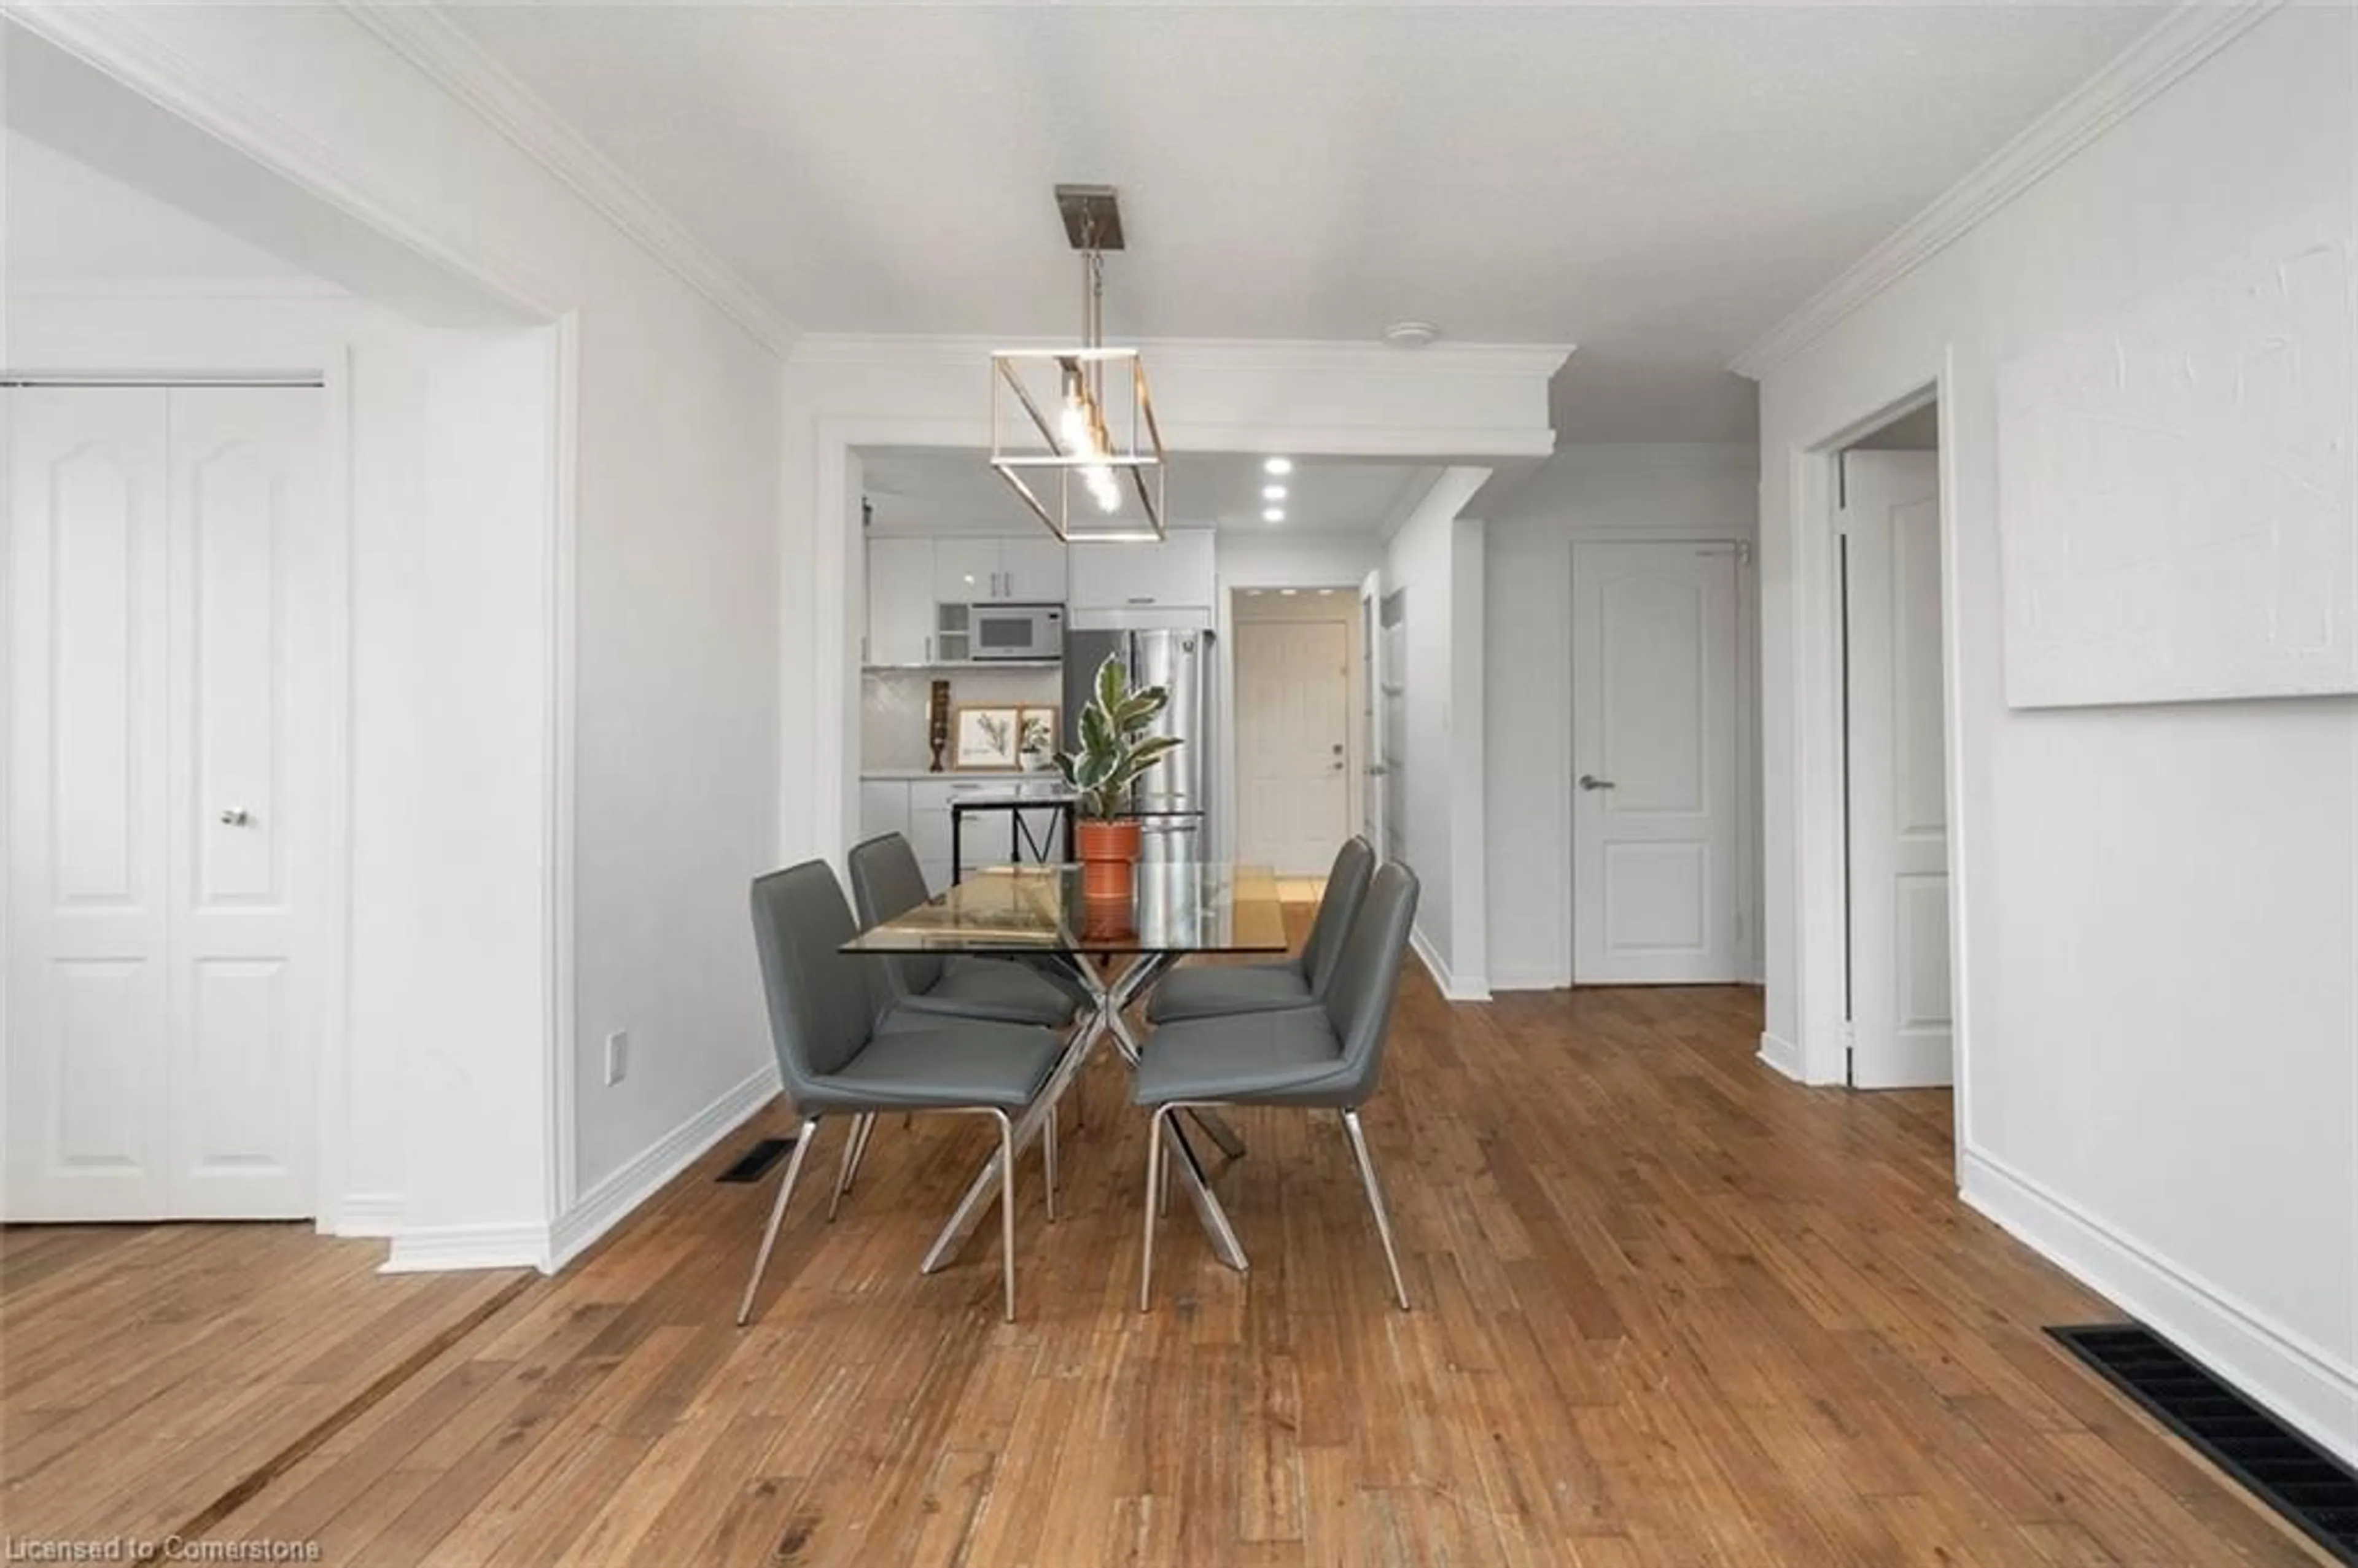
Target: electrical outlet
x,y
618,1058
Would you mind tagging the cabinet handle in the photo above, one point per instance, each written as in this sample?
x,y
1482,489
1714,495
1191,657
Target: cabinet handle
x,y
929,650
1142,599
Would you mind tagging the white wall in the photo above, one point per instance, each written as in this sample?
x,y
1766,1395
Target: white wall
x,y
658,745
1436,557
2157,908
1669,490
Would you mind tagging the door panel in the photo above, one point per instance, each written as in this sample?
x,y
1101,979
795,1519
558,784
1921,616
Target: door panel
x,y
242,487
87,1136
1292,682
1901,1024
1654,722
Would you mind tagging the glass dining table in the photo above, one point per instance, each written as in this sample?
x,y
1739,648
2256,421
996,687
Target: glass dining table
x,y
1115,950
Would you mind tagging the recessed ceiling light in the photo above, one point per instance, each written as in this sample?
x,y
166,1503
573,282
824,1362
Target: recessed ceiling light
x,y
1328,592
1273,492
1273,514
1410,334
1278,465
1289,592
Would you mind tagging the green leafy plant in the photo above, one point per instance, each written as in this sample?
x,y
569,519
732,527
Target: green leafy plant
x,y
1115,747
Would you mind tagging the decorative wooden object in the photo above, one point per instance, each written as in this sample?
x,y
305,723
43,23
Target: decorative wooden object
x,y
937,721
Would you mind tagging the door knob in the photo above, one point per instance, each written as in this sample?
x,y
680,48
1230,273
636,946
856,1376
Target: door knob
x,y
1590,781
236,818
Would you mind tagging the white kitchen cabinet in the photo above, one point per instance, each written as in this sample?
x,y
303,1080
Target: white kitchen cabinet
x,y
1032,571
1000,571
899,601
1176,573
965,571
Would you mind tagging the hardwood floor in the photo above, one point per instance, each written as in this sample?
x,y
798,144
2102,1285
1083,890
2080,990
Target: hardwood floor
x,y
1669,1310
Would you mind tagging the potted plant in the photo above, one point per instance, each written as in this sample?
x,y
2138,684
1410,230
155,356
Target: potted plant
x,y
1115,749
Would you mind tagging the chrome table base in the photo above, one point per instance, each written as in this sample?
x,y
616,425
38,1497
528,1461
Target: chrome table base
x,y
1111,995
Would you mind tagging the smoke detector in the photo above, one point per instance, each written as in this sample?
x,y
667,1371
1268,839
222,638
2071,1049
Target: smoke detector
x,y
1410,334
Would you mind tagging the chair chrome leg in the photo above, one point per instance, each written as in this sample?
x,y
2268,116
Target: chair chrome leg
x,y
1007,1209
1155,1173
1376,1202
777,1213
860,1154
1048,1154
855,1140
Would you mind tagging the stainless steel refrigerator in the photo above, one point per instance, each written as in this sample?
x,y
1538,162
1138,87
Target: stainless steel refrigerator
x,y
1172,797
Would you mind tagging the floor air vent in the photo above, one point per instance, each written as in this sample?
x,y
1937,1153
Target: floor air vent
x,y
2283,1469
757,1161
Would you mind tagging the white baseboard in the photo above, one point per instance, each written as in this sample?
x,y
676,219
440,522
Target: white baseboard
x,y
1457,988
2303,1383
433,1250
1533,979
608,1203
1781,1055
368,1214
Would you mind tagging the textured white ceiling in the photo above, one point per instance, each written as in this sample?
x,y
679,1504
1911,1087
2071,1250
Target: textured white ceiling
x,y
1656,183
67,222
955,491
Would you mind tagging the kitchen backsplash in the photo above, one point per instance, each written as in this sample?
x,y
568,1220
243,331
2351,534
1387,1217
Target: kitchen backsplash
x,y
892,708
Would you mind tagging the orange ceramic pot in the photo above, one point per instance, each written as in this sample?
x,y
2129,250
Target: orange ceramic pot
x,y
1107,850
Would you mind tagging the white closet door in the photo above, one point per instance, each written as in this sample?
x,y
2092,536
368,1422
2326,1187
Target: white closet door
x,y
88,895
246,811
166,675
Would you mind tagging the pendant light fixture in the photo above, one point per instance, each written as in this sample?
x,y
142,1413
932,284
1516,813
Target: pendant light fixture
x,y
1078,423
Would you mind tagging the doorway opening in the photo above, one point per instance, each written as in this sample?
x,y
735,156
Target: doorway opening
x,y
1899,1023
1301,726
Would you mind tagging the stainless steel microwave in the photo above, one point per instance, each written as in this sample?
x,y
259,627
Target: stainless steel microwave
x,y
1015,631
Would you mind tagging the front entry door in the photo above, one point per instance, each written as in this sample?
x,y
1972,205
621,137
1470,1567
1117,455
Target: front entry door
x,y
166,801
1900,1028
1654,759
1293,731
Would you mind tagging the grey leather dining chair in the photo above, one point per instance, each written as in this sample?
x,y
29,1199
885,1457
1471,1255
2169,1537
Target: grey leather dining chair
x,y
886,882
1216,990
1328,1056
838,1055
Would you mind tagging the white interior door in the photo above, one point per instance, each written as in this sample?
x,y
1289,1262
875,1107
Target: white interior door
x,y
1655,884
1293,729
1898,803
165,788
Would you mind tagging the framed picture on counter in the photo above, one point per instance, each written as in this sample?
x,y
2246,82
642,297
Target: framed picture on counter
x,y
1035,726
987,739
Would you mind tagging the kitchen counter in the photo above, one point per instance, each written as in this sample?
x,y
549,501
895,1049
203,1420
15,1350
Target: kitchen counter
x,y
1038,777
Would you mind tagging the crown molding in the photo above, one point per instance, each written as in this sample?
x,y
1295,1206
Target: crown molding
x,y
1540,359
113,41
2174,45
429,40
259,285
